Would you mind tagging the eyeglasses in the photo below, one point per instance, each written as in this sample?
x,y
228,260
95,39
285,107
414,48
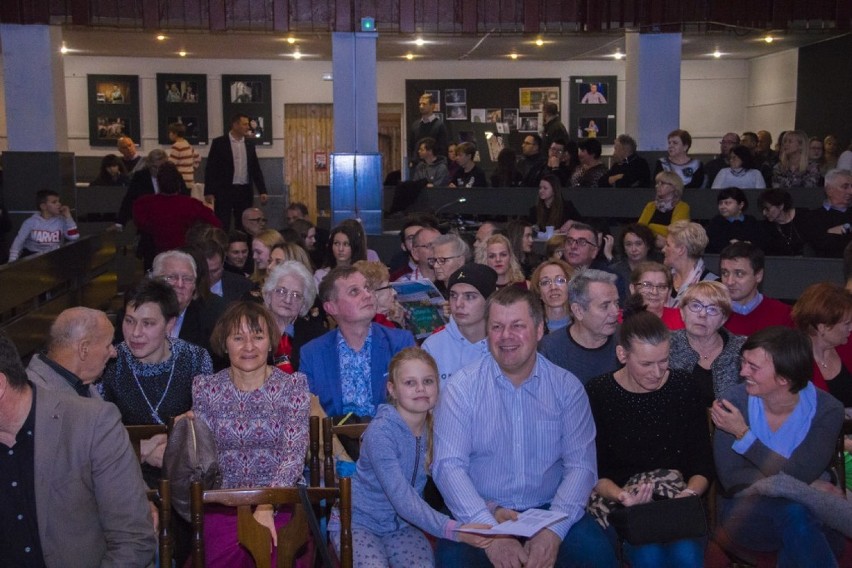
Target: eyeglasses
x,y
175,278
556,151
290,295
650,287
547,282
441,260
388,287
663,184
697,307
581,242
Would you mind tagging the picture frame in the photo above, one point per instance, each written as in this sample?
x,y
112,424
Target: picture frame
x,y
456,111
113,108
510,117
455,96
593,127
530,99
182,98
593,102
593,93
528,124
250,95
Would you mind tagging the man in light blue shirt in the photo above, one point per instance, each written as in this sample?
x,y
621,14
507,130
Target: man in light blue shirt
x,y
514,432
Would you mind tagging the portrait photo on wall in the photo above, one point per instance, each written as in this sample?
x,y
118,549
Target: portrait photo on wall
x,y
528,124
113,108
436,98
246,92
456,112
592,127
113,128
510,117
530,99
493,115
593,93
182,97
455,96
113,93
250,95
477,115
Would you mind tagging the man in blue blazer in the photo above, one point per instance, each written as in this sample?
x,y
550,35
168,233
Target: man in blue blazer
x,y
232,169
347,368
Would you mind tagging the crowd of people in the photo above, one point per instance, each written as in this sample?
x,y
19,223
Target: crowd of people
x,y
579,381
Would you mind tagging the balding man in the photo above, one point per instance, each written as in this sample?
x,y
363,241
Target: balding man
x,y
829,228
132,160
78,349
253,220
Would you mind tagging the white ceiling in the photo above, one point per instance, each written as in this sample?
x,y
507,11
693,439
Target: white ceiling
x,y
556,47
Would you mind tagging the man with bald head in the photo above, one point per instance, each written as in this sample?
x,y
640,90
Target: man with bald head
x,y
254,221
132,160
79,346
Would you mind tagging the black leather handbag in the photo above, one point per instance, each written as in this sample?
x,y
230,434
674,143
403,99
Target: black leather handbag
x,y
659,522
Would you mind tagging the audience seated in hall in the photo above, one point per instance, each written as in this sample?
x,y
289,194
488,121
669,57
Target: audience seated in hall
x,y
732,224
741,171
533,160
690,170
667,207
784,226
591,172
628,168
829,228
421,252
720,162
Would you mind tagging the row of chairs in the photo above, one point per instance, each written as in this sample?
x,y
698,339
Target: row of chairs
x,y
254,537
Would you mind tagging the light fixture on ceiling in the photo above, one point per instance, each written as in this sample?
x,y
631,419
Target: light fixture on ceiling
x,y
717,54
513,55
419,42
618,55
64,49
297,54
161,37
327,77
539,42
409,56
182,53
291,40
769,39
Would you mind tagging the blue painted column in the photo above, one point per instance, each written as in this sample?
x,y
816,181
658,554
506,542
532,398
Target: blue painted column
x,y
356,170
653,88
34,88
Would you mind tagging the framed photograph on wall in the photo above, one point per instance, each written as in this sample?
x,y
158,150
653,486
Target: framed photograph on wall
x,y
510,117
182,98
530,99
528,124
593,101
592,127
113,108
250,95
593,93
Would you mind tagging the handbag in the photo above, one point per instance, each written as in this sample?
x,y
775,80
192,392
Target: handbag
x,y
662,521
190,456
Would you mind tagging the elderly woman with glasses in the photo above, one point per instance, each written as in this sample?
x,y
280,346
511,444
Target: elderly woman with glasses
x,y
550,283
705,349
653,282
289,292
667,207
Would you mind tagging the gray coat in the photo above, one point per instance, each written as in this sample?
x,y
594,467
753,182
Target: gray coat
x,y
726,367
43,375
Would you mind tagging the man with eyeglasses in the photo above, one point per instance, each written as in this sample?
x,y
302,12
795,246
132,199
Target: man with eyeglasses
x,y
714,166
347,367
449,253
197,316
403,261
421,251
533,162
741,266
253,220
587,346
463,340
581,251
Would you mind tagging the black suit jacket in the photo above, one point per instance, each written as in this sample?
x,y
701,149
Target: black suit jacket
x,y
219,173
140,184
234,286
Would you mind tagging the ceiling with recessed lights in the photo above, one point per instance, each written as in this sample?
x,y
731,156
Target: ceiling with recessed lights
x,y
317,46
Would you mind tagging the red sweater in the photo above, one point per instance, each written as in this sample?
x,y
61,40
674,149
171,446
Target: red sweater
x,y
769,312
167,217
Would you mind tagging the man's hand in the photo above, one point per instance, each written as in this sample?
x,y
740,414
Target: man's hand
x,y
506,552
542,549
263,515
263,198
615,178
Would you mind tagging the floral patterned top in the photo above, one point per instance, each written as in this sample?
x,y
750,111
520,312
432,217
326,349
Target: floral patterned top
x,y
261,435
355,377
786,179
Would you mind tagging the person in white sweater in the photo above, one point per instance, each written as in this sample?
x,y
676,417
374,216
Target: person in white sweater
x,y
46,230
742,173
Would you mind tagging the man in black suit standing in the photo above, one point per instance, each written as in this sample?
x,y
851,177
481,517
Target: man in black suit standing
x,y
232,170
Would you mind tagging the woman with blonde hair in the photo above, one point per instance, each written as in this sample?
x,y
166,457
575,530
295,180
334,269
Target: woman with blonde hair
x,y
667,207
261,251
549,282
497,253
793,168
682,253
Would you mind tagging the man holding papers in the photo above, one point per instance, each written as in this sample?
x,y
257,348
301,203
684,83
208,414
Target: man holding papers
x,y
515,432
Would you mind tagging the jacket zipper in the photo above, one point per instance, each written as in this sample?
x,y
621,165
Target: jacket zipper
x,y
416,460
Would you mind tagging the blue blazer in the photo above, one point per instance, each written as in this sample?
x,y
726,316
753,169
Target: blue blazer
x,y
320,363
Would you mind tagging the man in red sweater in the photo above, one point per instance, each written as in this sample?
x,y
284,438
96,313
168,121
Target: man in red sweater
x,y
741,265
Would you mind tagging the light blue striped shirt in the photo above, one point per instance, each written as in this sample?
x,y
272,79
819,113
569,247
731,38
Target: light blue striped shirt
x,y
517,447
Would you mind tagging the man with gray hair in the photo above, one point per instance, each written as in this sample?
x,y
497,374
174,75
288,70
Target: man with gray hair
x,y
629,169
829,229
587,346
79,346
449,253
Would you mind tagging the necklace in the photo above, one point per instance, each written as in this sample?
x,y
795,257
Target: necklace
x,y
714,351
155,409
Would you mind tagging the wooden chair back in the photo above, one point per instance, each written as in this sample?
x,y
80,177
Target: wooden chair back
x,y
255,537
313,457
329,430
162,499
143,432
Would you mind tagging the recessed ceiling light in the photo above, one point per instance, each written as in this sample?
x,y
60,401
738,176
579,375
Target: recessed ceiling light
x,y
182,53
161,37
64,49
297,54
539,42
291,40
419,42
717,54
769,39
409,56
513,55
618,55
